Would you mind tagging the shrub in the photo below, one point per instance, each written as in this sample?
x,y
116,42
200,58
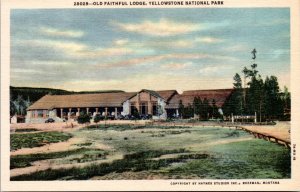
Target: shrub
x,y
97,118
83,118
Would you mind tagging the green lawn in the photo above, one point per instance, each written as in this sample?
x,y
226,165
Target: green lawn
x,y
18,141
79,155
176,152
241,160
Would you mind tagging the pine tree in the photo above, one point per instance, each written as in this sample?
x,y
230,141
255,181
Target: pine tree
x,y
274,104
197,106
181,109
206,108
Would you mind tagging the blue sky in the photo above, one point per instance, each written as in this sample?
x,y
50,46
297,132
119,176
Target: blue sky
x,y
131,49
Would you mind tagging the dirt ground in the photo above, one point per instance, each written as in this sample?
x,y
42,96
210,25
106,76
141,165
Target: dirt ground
x,y
281,130
69,126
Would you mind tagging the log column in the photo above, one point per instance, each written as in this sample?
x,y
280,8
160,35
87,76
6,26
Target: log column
x,y
78,112
149,108
69,114
61,112
105,111
137,104
116,112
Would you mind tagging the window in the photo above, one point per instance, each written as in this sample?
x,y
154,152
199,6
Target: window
x,y
144,108
154,109
40,113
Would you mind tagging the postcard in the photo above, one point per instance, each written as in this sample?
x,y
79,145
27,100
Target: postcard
x,y
151,95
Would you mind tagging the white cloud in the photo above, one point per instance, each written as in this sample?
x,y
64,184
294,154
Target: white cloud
x,y
208,40
237,48
176,66
157,58
66,46
214,69
163,27
171,44
78,49
22,70
121,42
60,32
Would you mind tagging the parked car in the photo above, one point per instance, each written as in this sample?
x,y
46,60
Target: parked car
x,y
121,117
129,117
50,120
110,117
145,117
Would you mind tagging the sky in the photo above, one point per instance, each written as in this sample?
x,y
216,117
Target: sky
x,y
158,49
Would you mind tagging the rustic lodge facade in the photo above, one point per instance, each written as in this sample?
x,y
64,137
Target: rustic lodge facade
x,y
158,104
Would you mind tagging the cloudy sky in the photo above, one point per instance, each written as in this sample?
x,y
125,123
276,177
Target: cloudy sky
x,y
131,49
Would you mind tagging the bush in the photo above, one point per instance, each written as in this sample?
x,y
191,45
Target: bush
x,y
83,118
97,118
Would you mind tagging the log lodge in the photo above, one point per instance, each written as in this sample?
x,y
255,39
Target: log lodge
x,y
158,104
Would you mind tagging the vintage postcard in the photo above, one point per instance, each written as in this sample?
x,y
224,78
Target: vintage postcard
x,y
150,95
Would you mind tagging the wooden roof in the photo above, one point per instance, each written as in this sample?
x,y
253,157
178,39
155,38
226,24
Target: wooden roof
x,y
81,100
116,99
173,102
219,95
167,94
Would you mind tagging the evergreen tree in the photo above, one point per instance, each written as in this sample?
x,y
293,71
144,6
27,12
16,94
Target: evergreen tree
x,y
206,108
189,111
214,109
274,104
237,95
234,104
286,98
286,103
180,109
197,106
256,96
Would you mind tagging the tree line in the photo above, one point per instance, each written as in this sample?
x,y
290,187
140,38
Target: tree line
x,y
202,109
252,95
258,95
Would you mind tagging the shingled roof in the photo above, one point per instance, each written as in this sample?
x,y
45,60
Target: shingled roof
x,y
219,95
116,99
167,94
81,100
173,102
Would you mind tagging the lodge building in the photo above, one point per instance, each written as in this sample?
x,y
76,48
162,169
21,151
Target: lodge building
x,y
159,104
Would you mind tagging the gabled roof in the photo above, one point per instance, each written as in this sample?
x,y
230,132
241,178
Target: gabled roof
x,y
81,100
154,93
151,92
173,102
167,94
219,95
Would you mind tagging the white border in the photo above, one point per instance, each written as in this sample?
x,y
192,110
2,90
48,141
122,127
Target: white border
x,y
145,185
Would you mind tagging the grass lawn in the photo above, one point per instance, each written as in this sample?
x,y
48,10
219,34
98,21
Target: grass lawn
x,y
79,155
18,141
241,160
174,152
